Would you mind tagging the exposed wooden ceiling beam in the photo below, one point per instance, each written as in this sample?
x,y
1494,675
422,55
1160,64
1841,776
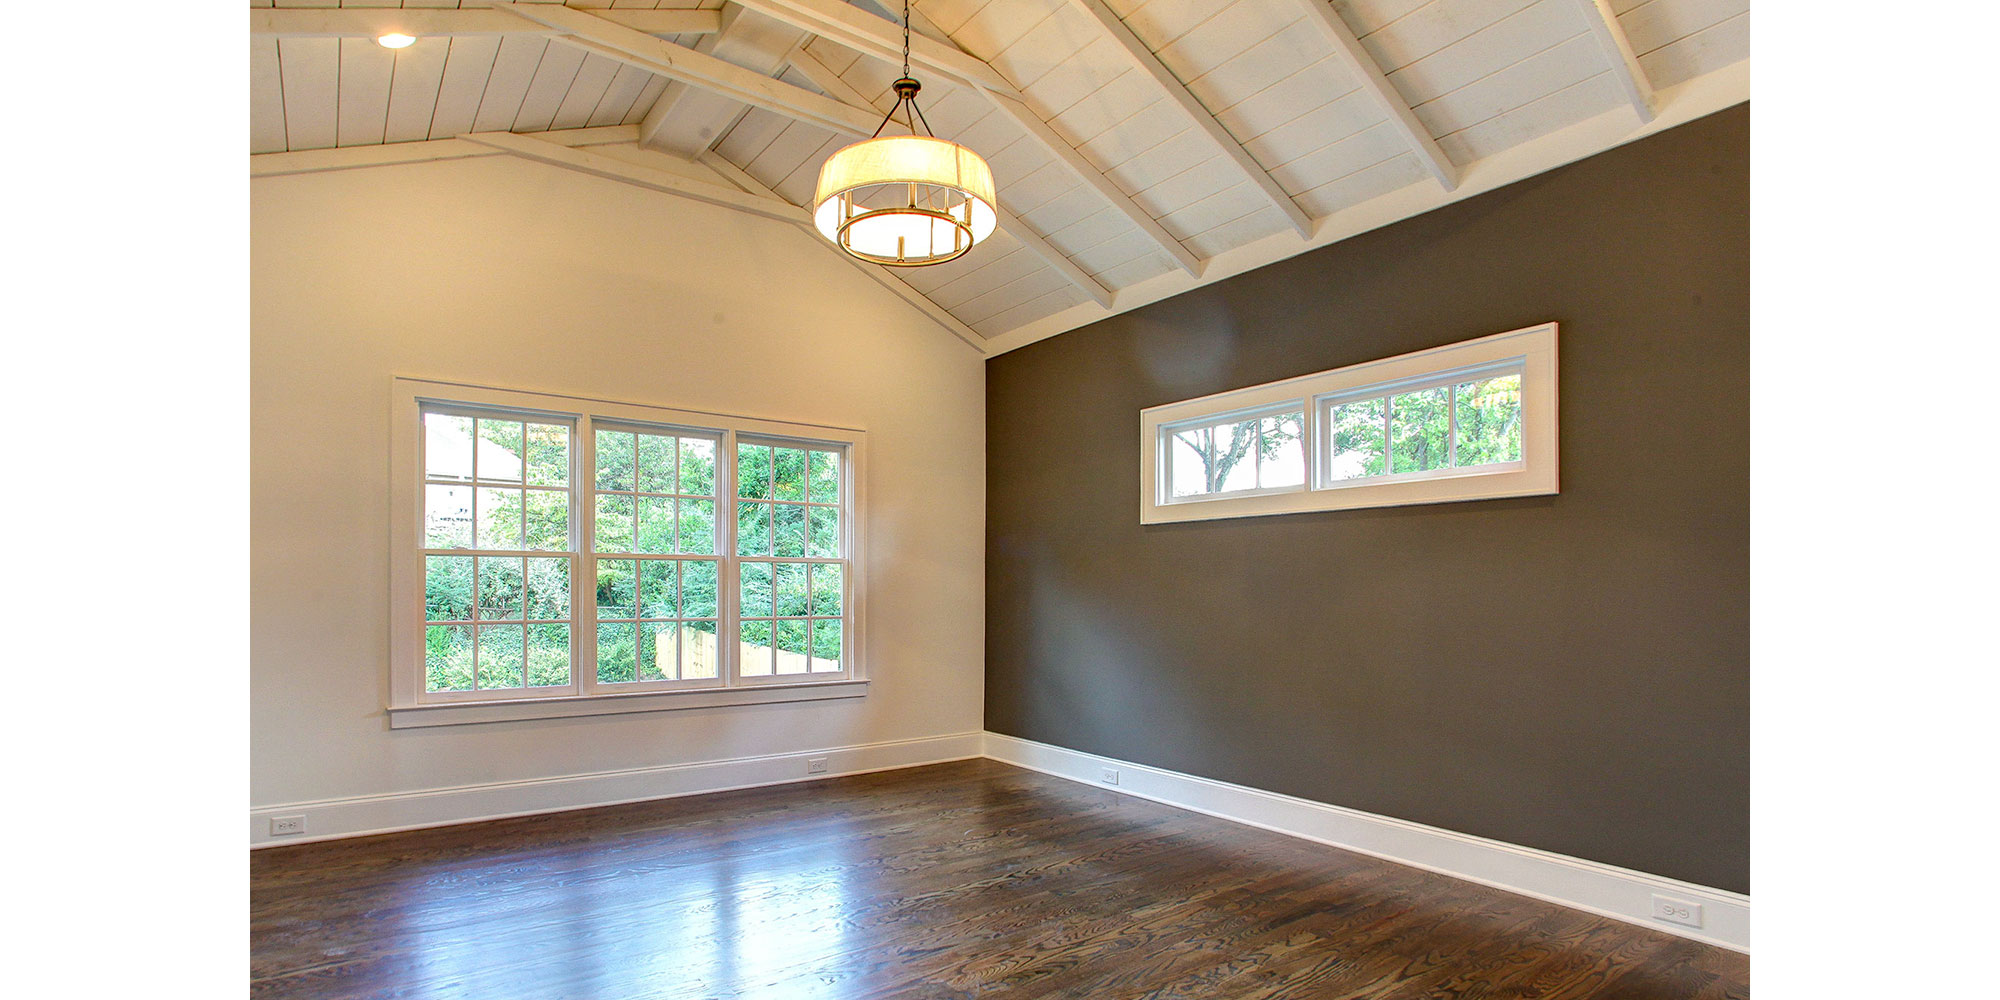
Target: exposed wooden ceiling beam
x,y
1197,113
636,48
597,164
676,92
826,79
1611,37
1377,86
886,277
374,22
309,161
865,33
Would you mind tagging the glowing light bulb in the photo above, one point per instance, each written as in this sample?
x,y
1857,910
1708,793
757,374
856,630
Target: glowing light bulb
x,y
395,40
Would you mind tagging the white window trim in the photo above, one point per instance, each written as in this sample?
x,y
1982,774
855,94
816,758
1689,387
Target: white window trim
x,y
409,705
1532,348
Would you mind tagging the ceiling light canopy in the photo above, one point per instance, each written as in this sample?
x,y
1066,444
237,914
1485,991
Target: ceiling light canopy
x,y
905,200
395,40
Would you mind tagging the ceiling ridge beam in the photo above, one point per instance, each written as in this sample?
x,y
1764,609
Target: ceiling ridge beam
x,y
594,34
374,22
823,77
865,33
1197,113
1377,86
880,275
1617,46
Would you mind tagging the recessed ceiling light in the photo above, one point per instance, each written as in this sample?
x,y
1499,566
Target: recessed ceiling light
x,y
394,40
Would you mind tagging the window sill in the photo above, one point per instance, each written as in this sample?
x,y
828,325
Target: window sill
x,y
470,712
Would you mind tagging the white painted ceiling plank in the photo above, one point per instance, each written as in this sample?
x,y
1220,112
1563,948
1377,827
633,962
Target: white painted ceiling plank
x,y
1237,232
1196,113
1434,26
1489,50
467,65
1659,24
1531,121
366,70
864,32
513,69
650,93
999,25
558,69
1297,48
1377,86
1054,301
310,70
267,98
1329,123
626,86
1031,286
1225,36
413,89
351,22
1576,59
1337,159
1701,53
1299,94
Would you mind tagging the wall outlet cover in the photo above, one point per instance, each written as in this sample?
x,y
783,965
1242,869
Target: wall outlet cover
x,y
1676,911
815,765
287,826
1110,776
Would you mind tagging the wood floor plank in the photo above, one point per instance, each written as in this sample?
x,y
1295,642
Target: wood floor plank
x,y
962,880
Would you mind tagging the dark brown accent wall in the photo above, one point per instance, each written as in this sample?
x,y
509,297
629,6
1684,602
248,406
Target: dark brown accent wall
x,y
1567,672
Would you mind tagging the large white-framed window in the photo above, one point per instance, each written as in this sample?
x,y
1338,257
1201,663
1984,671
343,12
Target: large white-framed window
x,y
1466,421
554,555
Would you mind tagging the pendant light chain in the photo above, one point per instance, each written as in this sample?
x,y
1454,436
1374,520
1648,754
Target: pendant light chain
x,y
906,37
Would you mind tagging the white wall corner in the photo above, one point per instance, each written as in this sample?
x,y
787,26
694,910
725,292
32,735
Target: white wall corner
x,y
1606,890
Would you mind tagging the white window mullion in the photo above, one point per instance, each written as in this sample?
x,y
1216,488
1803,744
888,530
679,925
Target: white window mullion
x,y
583,529
727,571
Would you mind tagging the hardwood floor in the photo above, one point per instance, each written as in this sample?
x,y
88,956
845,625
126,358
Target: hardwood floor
x,y
970,879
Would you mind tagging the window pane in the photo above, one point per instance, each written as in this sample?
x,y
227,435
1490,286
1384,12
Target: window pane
x,y
614,460
789,468
823,471
656,525
789,538
753,529
792,649
548,521
753,471
500,656
447,446
698,650
617,586
756,649
500,451
824,524
548,588
448,588
656,463
656,589
548,655
548,455
698,589
448,658
1355,432
788,588
614,523
499,513
697,467
754,598
1233,461
499,588
447,517
1489,420
657,656
697,527
617,656
1420,430
1283,458
1189,458
825,589
826,645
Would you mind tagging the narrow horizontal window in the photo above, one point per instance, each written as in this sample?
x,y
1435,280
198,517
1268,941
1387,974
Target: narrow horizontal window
x,y
1466,421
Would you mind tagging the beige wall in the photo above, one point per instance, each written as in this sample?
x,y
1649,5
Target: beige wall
x,y
513,274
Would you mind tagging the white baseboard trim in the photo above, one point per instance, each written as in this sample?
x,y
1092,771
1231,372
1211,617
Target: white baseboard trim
x,y
328,819
1606,890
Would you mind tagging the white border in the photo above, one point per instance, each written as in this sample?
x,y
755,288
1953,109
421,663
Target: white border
x,y
1537,474
1606,890
362,815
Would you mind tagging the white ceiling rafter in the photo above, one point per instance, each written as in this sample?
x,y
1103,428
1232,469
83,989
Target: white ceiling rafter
x,y
1197,114
671,98
374,22
312,161
1617,47
1377,86
872,36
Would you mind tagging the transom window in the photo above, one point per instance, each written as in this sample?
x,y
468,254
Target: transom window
x,y
1463,422
567,555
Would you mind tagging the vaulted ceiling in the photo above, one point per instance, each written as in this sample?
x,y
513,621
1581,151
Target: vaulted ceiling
x,y
1141,147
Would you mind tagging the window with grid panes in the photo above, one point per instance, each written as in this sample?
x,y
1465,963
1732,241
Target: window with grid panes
x,y
575,555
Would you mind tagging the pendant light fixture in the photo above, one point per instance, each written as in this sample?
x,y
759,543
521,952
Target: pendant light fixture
x,y
905,200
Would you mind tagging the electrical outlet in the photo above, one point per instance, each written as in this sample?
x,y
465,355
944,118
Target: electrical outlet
x,y
286,826
1676,911
1110,776
815,765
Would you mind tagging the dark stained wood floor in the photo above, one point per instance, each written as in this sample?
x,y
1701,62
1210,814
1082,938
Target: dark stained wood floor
x,y
971,879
